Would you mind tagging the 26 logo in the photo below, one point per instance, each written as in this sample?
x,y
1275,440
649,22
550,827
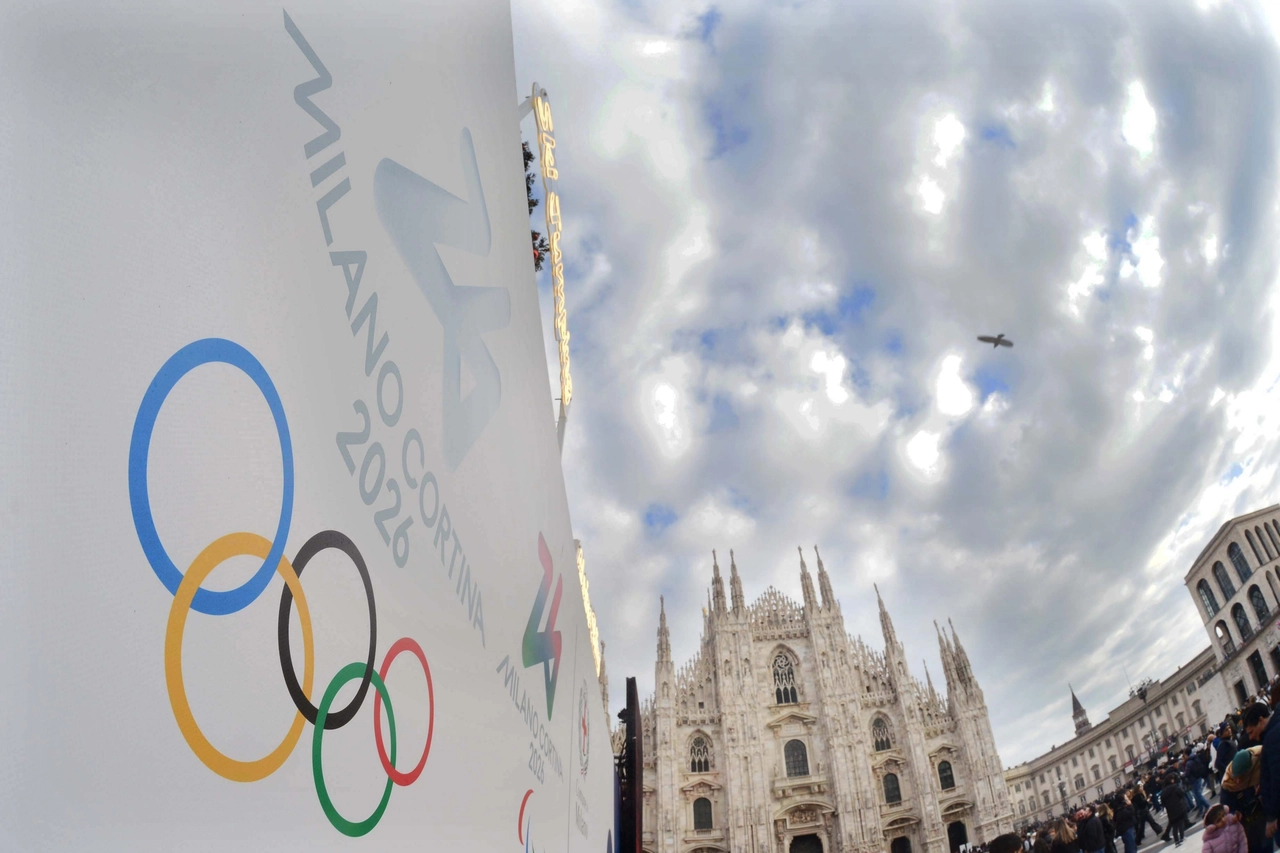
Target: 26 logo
x,y
544,646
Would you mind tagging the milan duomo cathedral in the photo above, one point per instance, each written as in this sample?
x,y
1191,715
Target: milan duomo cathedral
x,y
786,734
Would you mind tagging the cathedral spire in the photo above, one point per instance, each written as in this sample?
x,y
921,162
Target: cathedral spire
x,y
664,636
824,583
962,658
933,694
717,586
735,586
886,624
806,584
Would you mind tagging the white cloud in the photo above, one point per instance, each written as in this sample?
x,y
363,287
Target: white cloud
x,y
831,366
1091,272
948,136
931,195
923,452
1146,250
1209,248
1146,336
953,394
1139,123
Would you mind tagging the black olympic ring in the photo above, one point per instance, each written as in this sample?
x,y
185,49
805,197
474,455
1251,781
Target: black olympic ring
x,y
321,541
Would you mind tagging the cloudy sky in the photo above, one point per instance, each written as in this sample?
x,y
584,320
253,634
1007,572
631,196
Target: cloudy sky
x,y
787,221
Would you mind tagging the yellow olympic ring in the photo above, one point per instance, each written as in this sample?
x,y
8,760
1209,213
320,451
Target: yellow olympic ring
x,y
231,545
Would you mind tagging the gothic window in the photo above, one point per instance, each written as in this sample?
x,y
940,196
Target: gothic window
x,y
1238,560
1259,604
1224,637
1242,622
700,756
945,777
1207,598
701,813
1254,545
784,680
797,758
1271,534
1266,546
880,738
892,791
1224,582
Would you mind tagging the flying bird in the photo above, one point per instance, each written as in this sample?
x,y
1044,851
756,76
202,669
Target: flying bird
x,y
998,341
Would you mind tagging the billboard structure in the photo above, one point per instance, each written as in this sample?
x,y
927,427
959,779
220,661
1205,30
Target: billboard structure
x,y
288,538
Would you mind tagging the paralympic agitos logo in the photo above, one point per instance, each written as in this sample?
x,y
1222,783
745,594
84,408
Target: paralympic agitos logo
x,y
189,595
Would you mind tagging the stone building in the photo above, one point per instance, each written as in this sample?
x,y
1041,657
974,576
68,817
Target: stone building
x,y
1104,757
1235,585
786,734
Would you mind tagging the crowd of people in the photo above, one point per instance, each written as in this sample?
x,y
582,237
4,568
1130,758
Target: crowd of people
x,y
1238,765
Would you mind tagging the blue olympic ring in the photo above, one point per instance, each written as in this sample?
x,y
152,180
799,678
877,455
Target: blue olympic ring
x,y
207,351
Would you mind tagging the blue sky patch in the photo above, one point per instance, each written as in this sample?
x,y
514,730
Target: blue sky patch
x,y
893,343
723,416
1234,471
871,485
853,305
998,134
728,135
707,23
990,380
822,321
658,518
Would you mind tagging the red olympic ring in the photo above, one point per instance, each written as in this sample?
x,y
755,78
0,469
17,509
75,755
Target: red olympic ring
x,y
404,644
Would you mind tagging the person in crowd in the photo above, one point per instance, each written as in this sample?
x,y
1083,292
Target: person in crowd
x,y
1240,794
1142,810
1089,835
1107,817
1261,726
1044,840
1226,750
1064,837
1223,832
1124,821
1175,808
1010,843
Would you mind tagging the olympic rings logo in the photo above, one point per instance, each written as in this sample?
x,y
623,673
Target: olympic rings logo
x,y
188,595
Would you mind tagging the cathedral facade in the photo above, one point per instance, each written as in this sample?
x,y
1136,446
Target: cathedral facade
x,y
785,734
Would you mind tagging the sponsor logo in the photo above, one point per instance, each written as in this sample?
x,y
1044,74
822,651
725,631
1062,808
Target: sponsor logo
x,y
584,730
544,646
188,595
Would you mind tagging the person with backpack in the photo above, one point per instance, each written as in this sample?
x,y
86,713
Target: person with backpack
x,y
1175,808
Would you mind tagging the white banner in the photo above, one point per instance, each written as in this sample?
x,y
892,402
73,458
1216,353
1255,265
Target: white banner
x,y
269,307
